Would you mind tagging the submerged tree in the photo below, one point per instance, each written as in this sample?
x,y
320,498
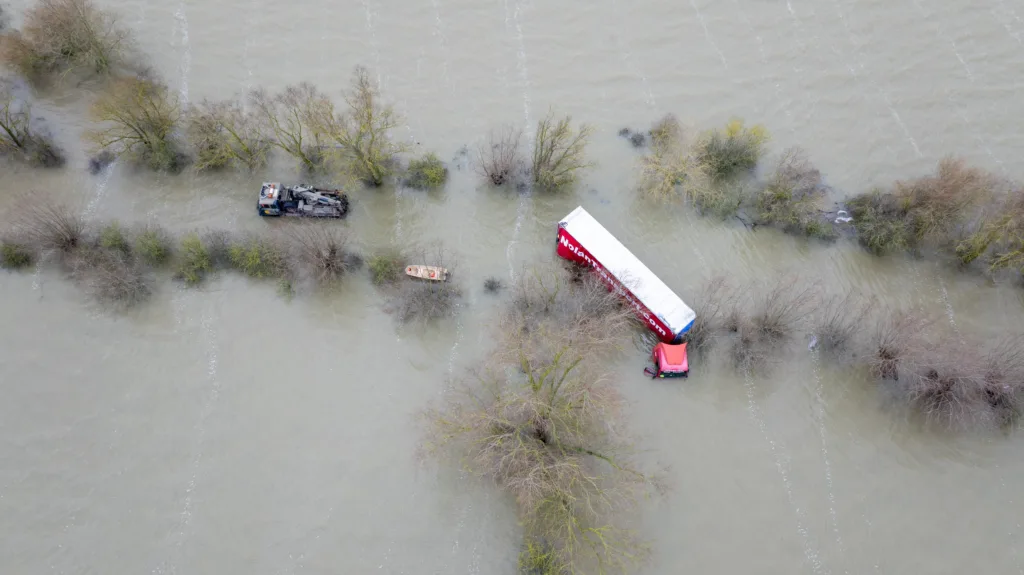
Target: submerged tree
x,y
224,133
559,152
139,117
361,135
17,135
499,159
64,36
290,116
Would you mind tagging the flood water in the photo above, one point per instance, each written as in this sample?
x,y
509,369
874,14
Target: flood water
x,y
229,430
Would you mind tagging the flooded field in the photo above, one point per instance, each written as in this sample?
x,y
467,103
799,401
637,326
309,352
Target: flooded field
x,y
229,429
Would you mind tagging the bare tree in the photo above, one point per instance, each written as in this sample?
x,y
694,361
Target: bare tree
x,y
139,117
225,133
17,135
361,134
324,250
290,116
500,158
559,152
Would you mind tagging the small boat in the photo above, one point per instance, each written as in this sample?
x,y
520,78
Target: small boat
x,y
432,273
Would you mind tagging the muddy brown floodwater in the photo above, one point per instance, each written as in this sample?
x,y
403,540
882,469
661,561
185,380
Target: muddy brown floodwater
x,y
229,430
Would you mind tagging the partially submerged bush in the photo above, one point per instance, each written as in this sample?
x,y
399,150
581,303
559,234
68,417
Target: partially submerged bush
x,y
710,309
897,335
324,251
792,198
66,35
14,255
153,246
427,172
732,151
17,135
361,135
837,323
194,262
47,226
112,237
110,276
291,117
499,160
559,152
387,266
776,310
927,209
139,118
999,236
493,285
224,134
258,257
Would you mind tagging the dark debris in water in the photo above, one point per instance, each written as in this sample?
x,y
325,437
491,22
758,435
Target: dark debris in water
x,y
638,139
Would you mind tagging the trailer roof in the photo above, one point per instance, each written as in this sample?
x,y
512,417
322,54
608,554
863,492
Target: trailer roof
x,y
628,269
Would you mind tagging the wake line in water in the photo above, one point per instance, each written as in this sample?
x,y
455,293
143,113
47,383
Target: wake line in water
x,y
819,415
707,34
524,78
764,65
810,553
186,58
626,56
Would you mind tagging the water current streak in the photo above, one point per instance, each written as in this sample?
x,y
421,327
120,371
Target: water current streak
x,y
524,79
819,415
778,454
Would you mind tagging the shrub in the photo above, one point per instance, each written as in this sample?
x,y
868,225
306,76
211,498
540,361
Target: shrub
x,y
224,134
778,307
324,251
792,197
66,35
291,117
362,138
559,152
194,261
153,246
710,320
500,160
897,335
140,117
18,137
493,285
427,172
387,266
999,236
837,322
112,238
111,276
731,151
49,226
926,209
14,255
258,257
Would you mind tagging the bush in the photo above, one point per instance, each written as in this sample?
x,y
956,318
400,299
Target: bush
x,y
427,172
224,134
324,251
111,276
14,255
112,238
18,137
387,266
362,138
792,198
999,237
837,322
731,151
927,209
140,117
500,159
53,227
194,261
66,35
493,285
777,309
897,335
559,152
153,246
710,311
258,257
